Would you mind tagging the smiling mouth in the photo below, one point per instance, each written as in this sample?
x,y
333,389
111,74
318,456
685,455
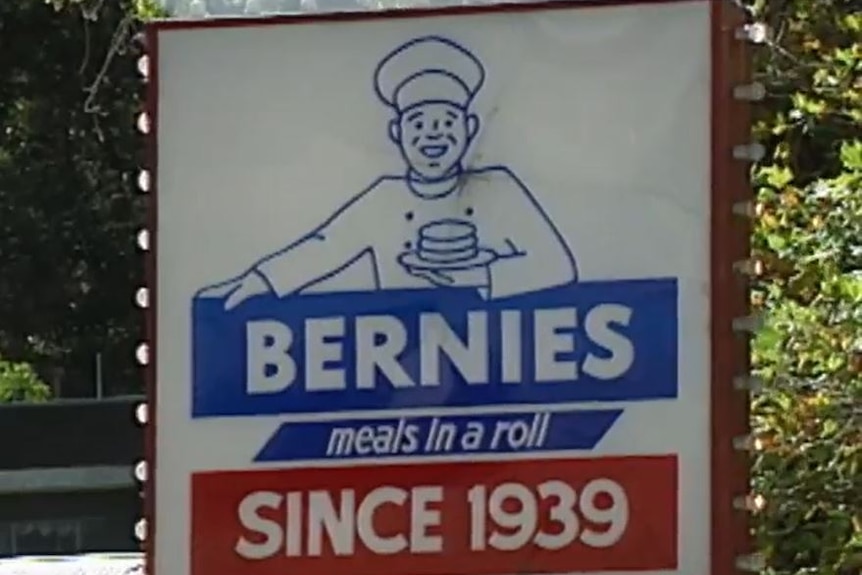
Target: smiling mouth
x,y
433,152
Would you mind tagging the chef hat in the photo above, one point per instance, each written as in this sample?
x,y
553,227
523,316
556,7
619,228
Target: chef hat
x,y
428,69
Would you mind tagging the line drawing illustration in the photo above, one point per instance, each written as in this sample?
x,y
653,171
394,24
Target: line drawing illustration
x,y
457,225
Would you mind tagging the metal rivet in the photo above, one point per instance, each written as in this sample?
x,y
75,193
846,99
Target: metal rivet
x,y
142,354
748,323
753,92
750,383
141,413
747,443
140,39
144,66
753,563
749,267
144,181
745,209
141,530
752,503
143,123
756,32
143,240
141,471
753,152
142,297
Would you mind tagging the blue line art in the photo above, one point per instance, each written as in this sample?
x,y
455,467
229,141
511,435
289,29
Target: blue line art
x,y
458,225
427,435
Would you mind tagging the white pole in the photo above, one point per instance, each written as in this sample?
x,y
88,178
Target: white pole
x,y
99,383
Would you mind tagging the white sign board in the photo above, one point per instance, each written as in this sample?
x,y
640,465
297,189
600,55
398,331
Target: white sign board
x,y
433,292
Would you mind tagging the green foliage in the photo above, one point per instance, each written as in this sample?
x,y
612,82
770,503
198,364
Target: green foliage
x,y
149,10
809,237
19,383
141,9
68,156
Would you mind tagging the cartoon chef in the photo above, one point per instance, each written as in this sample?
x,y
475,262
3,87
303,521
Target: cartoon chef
x,y
440,223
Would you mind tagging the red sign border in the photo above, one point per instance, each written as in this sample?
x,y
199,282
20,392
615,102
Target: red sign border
x,y
729,243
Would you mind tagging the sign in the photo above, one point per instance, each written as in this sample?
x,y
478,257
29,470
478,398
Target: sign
x,y
561,517
434,293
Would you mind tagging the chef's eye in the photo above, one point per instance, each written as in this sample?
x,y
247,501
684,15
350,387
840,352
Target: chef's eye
x,y
418,125
448,123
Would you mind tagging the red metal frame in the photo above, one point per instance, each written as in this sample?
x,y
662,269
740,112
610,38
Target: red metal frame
x,y
151,277
730,124
730,239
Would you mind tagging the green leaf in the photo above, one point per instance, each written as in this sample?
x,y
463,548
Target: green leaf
x,y
851,155
19,383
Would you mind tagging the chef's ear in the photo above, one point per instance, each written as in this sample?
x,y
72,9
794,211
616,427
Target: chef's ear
x,y
472,125
395,131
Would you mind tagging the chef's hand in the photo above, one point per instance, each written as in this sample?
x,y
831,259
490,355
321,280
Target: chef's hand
x,y
249,285
437,278
219,290
469,278
509,250
237,290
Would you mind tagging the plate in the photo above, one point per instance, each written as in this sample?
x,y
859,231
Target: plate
x,y
412,260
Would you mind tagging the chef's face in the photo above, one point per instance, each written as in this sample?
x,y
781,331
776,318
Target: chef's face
x,y
433,137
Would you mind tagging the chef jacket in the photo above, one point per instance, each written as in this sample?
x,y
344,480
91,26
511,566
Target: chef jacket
x,y
383,221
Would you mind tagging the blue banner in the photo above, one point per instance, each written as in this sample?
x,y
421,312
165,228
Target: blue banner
x,y
337,352
443,435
